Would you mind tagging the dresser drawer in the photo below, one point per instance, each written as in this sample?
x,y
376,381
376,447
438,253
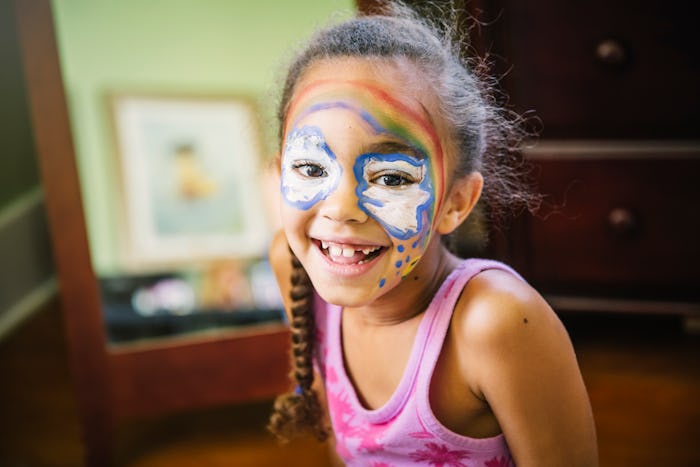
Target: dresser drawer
x,y
600,68
615,223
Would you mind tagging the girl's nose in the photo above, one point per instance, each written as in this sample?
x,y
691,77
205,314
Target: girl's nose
x,y
342,204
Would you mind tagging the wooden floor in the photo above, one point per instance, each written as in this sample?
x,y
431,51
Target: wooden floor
x,y
643,376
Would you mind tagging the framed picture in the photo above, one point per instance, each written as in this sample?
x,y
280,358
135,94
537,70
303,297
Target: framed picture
x,y
190,179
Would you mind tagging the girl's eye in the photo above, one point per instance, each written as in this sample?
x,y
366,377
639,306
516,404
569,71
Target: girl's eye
x,y
310,169
391,179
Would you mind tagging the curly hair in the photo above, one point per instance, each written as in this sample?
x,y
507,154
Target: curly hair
x,y
487,139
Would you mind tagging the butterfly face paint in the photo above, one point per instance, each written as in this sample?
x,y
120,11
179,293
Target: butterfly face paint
x,y
310,171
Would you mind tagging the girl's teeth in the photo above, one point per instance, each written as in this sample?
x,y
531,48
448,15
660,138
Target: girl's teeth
x,y
335,250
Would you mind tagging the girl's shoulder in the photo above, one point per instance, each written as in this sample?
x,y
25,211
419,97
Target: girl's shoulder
x,y
515,355
497,301
499,314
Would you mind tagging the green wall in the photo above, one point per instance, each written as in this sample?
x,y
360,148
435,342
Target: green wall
x,y
26,266
18,165
171,46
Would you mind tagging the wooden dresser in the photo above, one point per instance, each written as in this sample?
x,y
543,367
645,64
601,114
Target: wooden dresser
x,y
615,85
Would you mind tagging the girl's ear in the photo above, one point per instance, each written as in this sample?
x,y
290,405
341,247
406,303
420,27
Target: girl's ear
x,y
459,202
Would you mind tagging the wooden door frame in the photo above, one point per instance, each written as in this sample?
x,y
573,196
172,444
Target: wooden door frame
x,y
112,386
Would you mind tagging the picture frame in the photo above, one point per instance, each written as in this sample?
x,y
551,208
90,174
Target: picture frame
x,y
189,170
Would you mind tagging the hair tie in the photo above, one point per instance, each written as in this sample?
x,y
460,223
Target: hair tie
x,y
298,390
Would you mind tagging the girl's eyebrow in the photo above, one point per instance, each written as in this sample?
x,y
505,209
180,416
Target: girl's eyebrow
x,y
392,147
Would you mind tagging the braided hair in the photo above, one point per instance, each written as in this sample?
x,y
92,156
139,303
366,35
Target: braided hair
x,y
300,410
487,139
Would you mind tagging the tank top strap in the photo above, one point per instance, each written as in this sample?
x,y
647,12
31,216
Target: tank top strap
x,y
328,339
424,353
445,305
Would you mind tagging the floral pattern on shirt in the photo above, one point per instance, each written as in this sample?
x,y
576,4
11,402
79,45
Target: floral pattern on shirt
x,y
499,462
410,435
440,455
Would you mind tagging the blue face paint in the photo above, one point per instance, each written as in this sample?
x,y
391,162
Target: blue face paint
x,y
404,209
310,171
394,188
363,114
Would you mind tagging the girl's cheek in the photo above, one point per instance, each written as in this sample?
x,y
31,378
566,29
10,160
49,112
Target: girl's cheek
x,y
403,214
406,256
407,216
302,194
403,211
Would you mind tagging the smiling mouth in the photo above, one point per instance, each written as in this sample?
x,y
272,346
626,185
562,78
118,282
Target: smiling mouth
x,y
349,254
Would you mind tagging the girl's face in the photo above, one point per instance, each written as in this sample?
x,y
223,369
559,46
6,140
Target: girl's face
x,y
363,177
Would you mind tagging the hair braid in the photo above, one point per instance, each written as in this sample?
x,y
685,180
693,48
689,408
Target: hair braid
x,y
300,410
486,139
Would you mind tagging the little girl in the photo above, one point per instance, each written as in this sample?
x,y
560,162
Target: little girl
x,y
388,141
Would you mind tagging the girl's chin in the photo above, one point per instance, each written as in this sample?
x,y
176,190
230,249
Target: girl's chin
x,y
350,297
344,285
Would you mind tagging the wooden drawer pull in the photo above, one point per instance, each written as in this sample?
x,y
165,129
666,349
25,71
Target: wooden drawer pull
x,y
611,52
623,222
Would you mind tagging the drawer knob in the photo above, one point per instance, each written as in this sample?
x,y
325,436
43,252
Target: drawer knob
x,y
623,221
611,52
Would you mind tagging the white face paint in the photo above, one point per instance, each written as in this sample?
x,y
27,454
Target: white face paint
x,y
394,189
310,171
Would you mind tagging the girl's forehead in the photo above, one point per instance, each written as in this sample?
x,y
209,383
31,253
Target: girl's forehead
x,y
389,88
390,99
399,81
367,96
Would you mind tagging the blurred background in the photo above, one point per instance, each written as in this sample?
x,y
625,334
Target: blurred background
x,y
136,180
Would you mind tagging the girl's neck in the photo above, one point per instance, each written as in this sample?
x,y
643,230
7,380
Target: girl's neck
x,y
415,292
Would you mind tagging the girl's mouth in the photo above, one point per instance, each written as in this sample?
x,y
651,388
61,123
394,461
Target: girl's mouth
x,y
349,254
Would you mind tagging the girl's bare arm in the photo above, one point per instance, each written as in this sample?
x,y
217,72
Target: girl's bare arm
x,y
525,368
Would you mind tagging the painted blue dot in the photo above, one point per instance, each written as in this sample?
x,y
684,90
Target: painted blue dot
x,y
415,244
408,259
401,248
399,263
382,282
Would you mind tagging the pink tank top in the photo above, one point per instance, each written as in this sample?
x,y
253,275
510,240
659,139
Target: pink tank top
x,y
404,431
